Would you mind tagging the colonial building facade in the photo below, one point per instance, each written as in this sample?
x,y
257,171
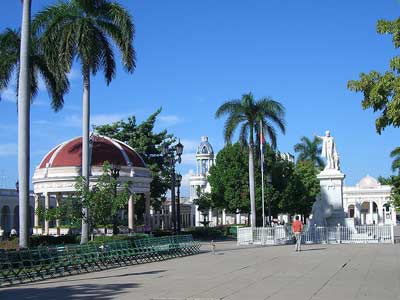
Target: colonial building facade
x,y
368,202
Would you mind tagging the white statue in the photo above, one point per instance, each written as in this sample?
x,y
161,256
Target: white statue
x,y
329,151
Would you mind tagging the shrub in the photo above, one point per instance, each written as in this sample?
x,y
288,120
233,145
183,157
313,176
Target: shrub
x,y
206,233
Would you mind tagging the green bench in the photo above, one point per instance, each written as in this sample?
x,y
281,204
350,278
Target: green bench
x,y
48,262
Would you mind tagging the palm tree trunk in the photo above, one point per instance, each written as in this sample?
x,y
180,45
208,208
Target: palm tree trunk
x,y
85,149
23,126
251,180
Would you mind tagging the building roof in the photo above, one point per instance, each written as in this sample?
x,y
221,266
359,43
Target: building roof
x,y
205,147
368,182
101,148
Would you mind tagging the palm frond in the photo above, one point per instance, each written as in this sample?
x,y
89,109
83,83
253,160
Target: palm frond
x,y
229,107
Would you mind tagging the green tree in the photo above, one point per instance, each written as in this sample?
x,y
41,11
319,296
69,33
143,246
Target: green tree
x,y
228,179
148,144
381,90
394,182
248,114
102,201
85,30
395,154
309,150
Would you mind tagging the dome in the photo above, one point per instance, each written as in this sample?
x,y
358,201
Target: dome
x,y
368,182
205,147
101,148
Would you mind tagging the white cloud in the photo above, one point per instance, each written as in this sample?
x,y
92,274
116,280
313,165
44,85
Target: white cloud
x,y
9,94
8,149
41,84
75,120
169,120
41,122
73,74
185,185
102,119
72,121
189,159
190,145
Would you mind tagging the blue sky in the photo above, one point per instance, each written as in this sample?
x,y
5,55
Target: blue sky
x,y
194,55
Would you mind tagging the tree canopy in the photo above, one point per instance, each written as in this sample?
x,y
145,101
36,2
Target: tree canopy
x,y
147,143
381,90
310,150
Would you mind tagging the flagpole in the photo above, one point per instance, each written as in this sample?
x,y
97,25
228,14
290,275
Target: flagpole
x,y
262,172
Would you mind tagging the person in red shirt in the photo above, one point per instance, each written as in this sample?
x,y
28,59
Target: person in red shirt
x,y
297,228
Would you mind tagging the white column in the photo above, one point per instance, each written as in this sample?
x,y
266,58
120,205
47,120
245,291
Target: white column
x,y
393,216
371,212
131,212
238,218
58,221
46,206
380,216
36,219
223,217
147,208
356,211
210,217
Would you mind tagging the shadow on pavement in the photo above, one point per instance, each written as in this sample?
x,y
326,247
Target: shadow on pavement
x,y
70,292
313,249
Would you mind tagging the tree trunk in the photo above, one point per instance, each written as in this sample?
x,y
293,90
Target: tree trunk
x,y
85,150
23,126
251,180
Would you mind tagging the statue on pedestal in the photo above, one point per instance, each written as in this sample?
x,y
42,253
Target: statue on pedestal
x,y
329,151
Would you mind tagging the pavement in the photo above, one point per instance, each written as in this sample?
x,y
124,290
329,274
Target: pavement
x,y
364,271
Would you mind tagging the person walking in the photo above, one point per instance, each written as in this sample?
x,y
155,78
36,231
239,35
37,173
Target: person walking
x,y
297,228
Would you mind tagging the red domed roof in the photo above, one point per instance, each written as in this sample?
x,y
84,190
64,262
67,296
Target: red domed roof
x,y
69,154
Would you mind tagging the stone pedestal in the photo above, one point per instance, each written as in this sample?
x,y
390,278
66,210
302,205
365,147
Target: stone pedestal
x,y
331,182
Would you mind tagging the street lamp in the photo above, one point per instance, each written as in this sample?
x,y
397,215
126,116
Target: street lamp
x,y
178,181
114,172
269,184
172,155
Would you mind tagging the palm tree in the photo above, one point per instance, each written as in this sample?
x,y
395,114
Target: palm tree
x,y
310,151
396,161
85,29
23,125
248,113
56,81
28,64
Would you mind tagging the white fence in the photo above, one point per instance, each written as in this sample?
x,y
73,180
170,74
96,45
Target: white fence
x,y
278,235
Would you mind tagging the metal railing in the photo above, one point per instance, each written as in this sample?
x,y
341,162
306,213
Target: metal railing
x,y
282,234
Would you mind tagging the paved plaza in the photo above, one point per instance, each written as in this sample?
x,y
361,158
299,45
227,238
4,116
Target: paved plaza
x,y
318,272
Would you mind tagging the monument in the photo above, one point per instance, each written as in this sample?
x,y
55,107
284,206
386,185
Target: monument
x,y
328,207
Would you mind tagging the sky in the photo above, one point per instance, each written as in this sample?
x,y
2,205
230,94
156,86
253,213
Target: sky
x,y
194,55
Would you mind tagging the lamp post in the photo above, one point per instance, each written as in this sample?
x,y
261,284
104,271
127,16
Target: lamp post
x,y
114,172
178,181
172,156
269,183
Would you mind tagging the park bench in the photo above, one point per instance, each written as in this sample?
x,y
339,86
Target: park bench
x,y
47,262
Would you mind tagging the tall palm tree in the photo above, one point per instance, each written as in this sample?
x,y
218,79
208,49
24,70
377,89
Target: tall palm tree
x,y
85,30
28,64
248,113
310,150
23,124
396,161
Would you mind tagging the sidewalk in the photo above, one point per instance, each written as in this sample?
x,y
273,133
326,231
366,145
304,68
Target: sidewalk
x,y
319,272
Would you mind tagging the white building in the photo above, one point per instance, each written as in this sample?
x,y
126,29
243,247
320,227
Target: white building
x,y
368,202
204,160
9,211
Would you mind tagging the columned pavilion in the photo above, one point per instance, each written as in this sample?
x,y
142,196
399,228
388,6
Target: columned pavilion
x,y
55,176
